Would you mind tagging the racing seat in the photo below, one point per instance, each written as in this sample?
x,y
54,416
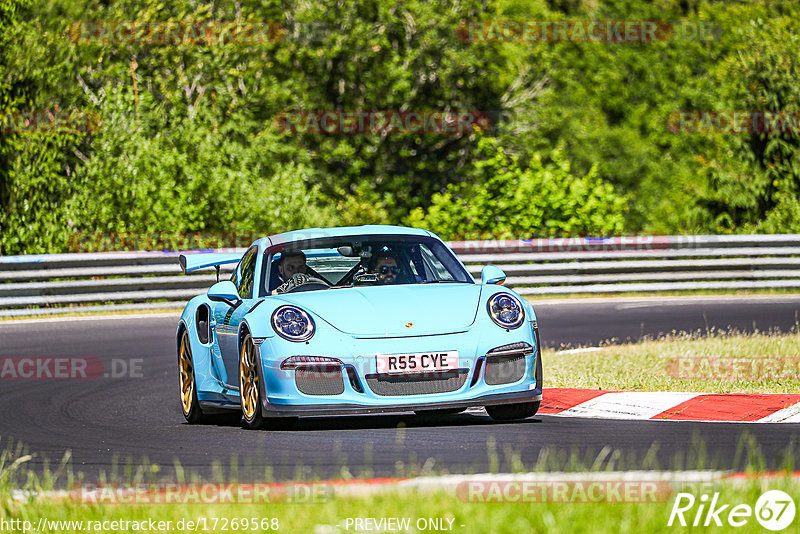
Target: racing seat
x,y
274,276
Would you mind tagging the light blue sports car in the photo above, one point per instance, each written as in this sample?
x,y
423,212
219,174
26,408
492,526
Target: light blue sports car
x,y
357,320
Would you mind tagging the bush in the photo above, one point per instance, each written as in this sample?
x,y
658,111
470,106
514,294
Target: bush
x,y
503,199
190,176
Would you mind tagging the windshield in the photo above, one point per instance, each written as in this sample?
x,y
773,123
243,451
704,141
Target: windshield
x,y
363,261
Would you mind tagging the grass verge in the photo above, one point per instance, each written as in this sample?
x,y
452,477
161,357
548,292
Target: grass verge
x,y
716,362
423,511
558,494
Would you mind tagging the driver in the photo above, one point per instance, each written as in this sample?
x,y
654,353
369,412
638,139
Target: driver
x,y
292,262
385,266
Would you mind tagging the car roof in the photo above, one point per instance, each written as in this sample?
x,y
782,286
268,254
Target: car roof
x,y
341,231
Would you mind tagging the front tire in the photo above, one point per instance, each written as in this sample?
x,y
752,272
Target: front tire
x,y
511,412
249,383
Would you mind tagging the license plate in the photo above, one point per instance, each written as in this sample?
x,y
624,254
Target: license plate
x,y
417,362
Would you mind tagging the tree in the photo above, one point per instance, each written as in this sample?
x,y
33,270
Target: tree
x,y
507,200
35,164
755,174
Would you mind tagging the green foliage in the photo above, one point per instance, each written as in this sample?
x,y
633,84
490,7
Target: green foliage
x,y
755,178
188,141
506,200
199,151
378,55
35,168
609,103
363,206
190,176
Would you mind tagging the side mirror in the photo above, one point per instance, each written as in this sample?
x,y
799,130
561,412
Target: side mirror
x,y
492,275
224,291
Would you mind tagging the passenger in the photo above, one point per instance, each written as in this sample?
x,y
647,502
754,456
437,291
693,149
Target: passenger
x,y
292,262
385,266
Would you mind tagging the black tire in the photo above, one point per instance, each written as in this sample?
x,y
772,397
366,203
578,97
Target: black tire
x,y
250,385
439,412
510,412
190,406
250,370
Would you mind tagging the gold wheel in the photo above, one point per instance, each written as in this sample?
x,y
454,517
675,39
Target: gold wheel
x,y
248,380
186,377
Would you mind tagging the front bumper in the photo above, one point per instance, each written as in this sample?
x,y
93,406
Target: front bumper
x,y
282,396
273,410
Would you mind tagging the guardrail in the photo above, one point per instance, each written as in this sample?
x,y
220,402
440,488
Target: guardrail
x,y
640,263
56,283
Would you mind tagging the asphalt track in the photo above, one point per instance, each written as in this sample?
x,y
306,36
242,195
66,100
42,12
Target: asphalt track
x,y
108,422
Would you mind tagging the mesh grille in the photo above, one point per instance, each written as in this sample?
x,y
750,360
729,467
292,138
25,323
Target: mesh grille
x,y
504,369
319,380
417,384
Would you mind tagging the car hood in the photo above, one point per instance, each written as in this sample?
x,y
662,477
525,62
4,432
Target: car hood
x,y
379,311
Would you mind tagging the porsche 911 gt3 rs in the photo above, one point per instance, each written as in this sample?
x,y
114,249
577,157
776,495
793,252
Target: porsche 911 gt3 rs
x,y
356,320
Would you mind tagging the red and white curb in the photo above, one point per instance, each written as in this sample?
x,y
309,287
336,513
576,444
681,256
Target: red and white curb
x,y
672,406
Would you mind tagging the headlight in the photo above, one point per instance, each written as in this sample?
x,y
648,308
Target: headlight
x,y
292,323
505,311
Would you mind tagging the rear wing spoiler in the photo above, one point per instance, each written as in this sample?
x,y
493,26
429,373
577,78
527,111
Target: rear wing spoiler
x,y
194,262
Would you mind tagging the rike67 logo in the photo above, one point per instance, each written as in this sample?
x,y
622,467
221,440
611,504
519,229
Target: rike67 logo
x,y
774,510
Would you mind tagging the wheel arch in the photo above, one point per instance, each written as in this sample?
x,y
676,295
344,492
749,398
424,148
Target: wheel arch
x,y
244,330
182,328
188,317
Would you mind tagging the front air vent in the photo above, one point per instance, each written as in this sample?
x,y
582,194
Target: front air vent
x,y
319,380
355,383
504,369
477,374
201,323
427,384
